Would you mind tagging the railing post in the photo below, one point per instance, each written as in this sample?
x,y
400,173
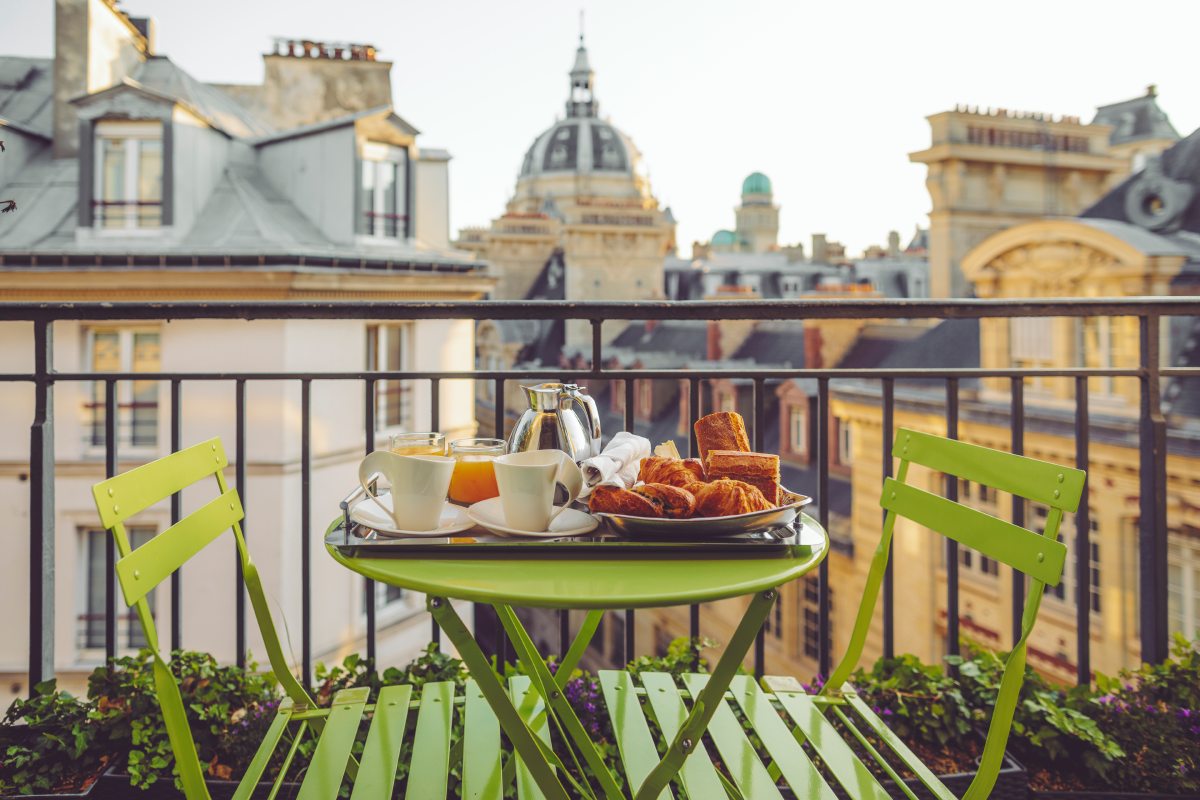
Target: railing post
x,y
1152,490
41,509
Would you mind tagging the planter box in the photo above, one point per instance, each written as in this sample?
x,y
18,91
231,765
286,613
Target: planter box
x,y
91,792
1087,795
1011,784
114,785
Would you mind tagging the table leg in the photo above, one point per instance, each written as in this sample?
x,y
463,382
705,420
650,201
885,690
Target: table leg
x,y
526,744
551,691
705,704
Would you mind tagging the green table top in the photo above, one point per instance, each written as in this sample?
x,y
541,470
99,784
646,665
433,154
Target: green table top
x,y
643,581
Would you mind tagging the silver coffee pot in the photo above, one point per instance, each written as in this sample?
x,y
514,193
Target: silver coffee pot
x,y
550,422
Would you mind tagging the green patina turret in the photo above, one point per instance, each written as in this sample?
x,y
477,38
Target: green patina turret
x,y
756,183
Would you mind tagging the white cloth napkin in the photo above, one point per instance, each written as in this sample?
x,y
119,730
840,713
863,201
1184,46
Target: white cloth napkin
x,y
618,463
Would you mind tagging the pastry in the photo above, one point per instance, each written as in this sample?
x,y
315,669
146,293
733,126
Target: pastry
x,y
609,499
724,430
676,503
756,469
671,471
726,497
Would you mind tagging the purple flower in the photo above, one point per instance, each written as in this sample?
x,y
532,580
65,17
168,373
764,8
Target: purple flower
x,y
1183,713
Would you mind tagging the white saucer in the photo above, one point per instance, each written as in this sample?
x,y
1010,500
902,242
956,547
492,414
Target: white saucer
x,y
490,514
376,514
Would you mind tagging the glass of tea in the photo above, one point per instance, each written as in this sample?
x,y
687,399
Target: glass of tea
x,y
474,477
429,443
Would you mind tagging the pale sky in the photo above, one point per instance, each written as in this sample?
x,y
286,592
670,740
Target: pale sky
x,y
826,98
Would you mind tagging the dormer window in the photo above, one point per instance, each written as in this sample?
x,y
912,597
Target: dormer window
x,y
129,175
383,198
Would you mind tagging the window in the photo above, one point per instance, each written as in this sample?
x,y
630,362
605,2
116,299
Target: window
x,y
384,191
977,563
812,619
389,350
1183,582
1094,343
797,430
774,622
845,449
1066,589
1031,345
386,595
129,175
125,350
91,616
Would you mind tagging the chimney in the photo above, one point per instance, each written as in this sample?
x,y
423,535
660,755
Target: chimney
x,y
308,81
714,341
893,244
95,47
820,251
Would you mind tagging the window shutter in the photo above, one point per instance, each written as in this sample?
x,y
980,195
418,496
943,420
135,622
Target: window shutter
x,y
168,172
87,171
360,226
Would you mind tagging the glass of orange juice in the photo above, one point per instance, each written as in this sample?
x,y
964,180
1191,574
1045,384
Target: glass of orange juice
x,y
429,443
474,477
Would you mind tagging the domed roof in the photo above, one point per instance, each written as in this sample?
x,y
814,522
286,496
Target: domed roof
x,y
579,144
724,237
756,183
582,142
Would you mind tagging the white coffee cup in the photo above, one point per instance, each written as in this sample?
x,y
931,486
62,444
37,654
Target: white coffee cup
x,y
527,481
419,485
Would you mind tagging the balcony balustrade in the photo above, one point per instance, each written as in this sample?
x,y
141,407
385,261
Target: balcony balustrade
x,y
1148,426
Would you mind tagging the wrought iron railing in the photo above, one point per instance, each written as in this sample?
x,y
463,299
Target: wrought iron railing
x,y
1151,429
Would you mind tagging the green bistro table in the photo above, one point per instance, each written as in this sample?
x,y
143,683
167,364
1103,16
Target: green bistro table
x,y
597,582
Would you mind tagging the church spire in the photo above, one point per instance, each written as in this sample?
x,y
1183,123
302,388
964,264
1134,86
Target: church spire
x,y
581,102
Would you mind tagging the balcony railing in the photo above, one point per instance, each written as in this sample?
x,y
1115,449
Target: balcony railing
x,y
1150,423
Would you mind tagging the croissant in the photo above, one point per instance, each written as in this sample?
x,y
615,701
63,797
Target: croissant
x,y
608,499
676,503
671,471
726,497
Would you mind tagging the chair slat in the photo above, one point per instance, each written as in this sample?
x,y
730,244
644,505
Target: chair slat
x,y
381,753
795,765
850,772
328,765
741,759
1055,486
144,568
483,774
429,772
897,745
1035,555
130,493
266,749
518,687
699,776
638,753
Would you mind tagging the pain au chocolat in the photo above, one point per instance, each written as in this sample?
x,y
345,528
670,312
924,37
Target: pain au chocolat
x,y
757,469
724,430
676,503
609,499
725,498
671,471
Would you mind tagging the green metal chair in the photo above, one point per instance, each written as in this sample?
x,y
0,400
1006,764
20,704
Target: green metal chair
x,y
140,571
794,726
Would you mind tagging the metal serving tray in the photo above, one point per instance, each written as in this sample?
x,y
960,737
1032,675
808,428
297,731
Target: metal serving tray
x,y
357,541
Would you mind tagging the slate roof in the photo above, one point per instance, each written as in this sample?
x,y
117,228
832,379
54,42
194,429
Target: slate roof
x,y
158,73
775,344
1180,162
244,217
686,338
26,92
1139,118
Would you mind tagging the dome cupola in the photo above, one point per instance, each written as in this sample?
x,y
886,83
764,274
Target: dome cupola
x,y
756,184
581,143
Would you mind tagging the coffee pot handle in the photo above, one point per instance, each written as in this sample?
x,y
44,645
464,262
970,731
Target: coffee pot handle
x,y
592,417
